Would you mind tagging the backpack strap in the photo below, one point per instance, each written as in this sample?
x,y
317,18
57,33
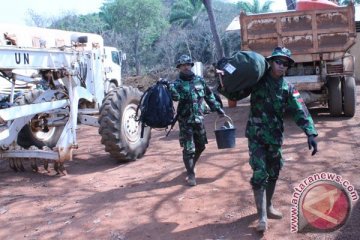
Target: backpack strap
x,y
139,119
172,125
139,106
142,130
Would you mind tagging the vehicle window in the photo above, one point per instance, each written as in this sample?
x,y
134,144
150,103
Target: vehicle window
x,y
115,57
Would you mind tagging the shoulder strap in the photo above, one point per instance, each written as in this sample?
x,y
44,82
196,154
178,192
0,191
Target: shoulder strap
x,y
172,125
137,117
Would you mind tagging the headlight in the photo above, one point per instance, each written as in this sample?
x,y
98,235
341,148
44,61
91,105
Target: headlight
x,y
349,63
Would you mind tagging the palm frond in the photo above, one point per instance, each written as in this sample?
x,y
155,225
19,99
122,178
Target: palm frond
x,y
255,6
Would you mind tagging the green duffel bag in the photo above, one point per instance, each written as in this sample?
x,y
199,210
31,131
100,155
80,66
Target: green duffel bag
x,y
241,71
235,96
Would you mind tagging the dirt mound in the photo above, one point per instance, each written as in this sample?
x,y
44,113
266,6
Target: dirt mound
x,y
144,81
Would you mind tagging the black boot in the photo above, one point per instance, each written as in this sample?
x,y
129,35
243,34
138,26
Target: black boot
x,y
191,180
197,156
260,200
271,211
189,165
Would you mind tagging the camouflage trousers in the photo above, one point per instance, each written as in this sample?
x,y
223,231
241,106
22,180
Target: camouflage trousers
x,y
192,139
266,162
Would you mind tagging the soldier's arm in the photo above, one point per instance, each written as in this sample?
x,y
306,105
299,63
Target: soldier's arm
x,y
300,112
173,90
210,98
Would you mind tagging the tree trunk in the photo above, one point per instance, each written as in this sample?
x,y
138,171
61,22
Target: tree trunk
x,y
219,50
291,4
136,54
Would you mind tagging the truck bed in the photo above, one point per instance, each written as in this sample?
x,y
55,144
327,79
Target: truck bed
x,y
311,35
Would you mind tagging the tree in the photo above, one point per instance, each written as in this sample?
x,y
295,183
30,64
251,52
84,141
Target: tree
x,y
186,12
219,49
35,19
255,6
139,22
81,23
291,4
346,2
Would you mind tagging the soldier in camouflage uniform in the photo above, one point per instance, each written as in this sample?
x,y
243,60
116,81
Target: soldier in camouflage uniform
x,y
270,97
191,91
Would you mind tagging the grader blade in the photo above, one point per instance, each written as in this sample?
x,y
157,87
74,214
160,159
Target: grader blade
x,y
59,168
12,164
46,165
34,165
56,168
19,164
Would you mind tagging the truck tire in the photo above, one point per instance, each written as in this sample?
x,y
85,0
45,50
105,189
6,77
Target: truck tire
x,y
335,96
119,130
111,87
31,136
349,96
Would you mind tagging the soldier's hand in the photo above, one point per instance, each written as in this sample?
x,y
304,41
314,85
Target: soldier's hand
x,y
220,112
312,144
164,81
220,72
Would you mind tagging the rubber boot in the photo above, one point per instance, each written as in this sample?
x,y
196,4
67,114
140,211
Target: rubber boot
x,y
197,156
260,200
271,211
191,180
189,165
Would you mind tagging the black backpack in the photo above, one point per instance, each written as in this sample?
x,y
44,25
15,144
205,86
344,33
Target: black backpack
x,y
156,107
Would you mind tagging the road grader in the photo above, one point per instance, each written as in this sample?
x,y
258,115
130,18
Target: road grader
x,y
65,76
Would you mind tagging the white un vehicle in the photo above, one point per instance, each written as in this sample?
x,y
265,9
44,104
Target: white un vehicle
x,y
53,80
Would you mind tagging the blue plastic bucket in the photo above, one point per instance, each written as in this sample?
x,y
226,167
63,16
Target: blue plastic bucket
x,y
225,137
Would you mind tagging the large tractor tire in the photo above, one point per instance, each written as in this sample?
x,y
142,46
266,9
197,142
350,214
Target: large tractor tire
x,y
119,130
111,87
349,96
335,96
30,135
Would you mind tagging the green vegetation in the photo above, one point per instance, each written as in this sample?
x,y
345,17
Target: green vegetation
x,y
154,33
255,6
346,2
186,12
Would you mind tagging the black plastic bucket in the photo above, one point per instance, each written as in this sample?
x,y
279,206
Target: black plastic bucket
x,y
225,137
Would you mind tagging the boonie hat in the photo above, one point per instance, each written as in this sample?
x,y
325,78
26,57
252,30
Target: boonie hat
x,y
281,52
184,59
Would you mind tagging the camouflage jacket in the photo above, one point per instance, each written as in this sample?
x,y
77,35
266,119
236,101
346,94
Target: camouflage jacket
x,y
192,96
270,98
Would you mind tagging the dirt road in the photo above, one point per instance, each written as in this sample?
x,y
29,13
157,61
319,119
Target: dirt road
x,y
148,198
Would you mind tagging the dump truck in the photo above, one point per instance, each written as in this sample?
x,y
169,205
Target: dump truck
x,y
66,75
319,41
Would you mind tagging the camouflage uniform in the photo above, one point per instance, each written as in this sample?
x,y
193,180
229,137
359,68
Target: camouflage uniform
x,y
270,97
191,109
269,100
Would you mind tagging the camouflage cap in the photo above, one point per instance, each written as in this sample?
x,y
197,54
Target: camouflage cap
x,y
281,52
